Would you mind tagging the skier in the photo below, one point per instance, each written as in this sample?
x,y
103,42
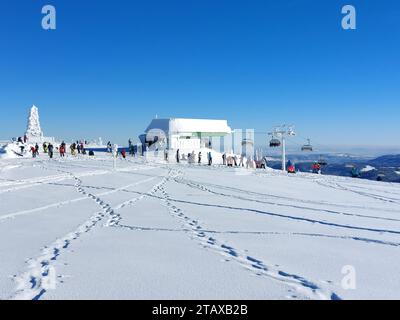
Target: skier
x,y
109,147
123,153
50,150
25,138
199,158
166,155
177,156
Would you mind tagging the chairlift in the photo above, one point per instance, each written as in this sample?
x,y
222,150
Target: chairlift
x,y
307,147
274,143
322,161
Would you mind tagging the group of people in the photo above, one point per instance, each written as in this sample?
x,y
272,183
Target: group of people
x,y
77,147
191,157
227,160
48,148
242,161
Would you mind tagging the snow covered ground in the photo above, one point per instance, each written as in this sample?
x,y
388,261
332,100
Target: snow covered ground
x,y
77,229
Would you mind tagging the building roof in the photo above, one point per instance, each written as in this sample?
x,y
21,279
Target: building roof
x,y
183,126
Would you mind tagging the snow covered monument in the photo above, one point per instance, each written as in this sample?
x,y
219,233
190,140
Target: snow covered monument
x,y
34,132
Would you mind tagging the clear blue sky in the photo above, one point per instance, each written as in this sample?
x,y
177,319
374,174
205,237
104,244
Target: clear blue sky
x,y
112,65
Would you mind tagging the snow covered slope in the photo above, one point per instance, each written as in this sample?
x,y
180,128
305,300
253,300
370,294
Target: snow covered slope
x,y
77,229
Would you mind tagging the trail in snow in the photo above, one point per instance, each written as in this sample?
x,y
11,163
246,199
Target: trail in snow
x,y
335,185
257,266
33,284
35,281
319,210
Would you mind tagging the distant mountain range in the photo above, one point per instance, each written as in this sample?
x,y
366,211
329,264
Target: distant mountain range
x,y
384,168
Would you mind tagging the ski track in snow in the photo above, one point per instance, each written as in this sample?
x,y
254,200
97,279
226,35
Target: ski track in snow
x,y
291,217
337,186
261,233
33,284
319,210
308,202
257,266
66,202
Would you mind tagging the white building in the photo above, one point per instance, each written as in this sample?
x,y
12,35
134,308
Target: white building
x,y
184,134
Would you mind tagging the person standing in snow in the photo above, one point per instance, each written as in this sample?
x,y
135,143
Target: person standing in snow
x,y
50,150
33,150
62,151
265,162
73,149
199,158
316,168
123,153
177,156
37,149
235,159
224,159
241,163
209,159
193,157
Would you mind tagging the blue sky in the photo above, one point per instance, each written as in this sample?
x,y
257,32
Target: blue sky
x,y
111,66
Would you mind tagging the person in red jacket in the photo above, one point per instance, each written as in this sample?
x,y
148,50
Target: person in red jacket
x,y
316,167
62,151
33,150
123,153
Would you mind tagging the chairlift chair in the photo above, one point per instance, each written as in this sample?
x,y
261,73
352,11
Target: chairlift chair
x,y
307,147
322,162
274,143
